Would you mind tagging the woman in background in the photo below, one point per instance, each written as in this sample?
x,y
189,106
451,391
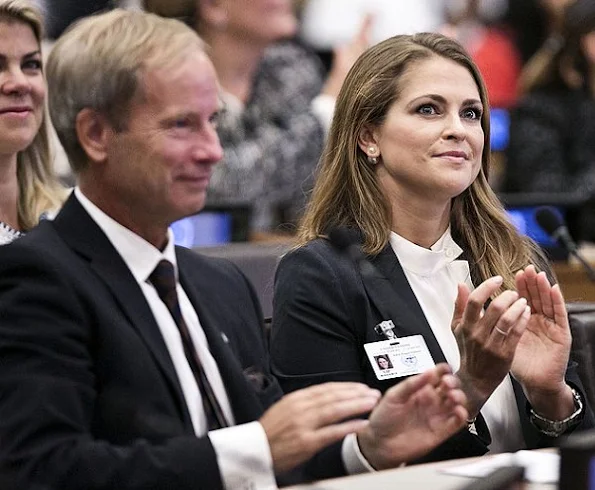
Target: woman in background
x,y
478,26
404,175
277,104
28,188
552,149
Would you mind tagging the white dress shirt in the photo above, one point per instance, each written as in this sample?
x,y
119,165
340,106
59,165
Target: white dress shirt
x,y
433,275
243,452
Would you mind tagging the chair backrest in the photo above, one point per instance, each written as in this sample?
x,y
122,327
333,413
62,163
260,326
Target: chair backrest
x,y
582,325
258,261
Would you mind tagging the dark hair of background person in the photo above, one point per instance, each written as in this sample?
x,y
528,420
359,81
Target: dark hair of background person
x,y
561,62
528,21
184,10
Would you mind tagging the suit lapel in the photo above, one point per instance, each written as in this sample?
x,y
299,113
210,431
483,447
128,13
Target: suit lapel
x,y
390,291
84,236
207,303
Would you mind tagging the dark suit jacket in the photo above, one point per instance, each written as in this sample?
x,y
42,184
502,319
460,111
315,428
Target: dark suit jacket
x,y
89,397
324,312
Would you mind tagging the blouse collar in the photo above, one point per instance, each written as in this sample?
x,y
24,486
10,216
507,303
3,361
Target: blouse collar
x,y
8,233
424,261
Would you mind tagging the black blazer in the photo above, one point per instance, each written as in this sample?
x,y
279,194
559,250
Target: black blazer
x,y
89,397
324,312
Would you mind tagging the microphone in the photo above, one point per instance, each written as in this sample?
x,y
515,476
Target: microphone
x,y
553,224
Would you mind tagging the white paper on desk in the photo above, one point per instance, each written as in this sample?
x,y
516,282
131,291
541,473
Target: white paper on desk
x,y
540,467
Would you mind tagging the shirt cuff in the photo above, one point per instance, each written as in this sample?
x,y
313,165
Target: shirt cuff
x,y
244,457
353,459
323,107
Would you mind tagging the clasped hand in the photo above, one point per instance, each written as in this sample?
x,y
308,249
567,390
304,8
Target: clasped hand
x,y
524,332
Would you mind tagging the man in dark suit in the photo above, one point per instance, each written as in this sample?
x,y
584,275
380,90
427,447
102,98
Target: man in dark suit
x,y
128,363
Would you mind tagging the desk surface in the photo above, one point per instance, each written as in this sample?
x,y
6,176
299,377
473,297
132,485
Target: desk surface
x,y
418,477
574,282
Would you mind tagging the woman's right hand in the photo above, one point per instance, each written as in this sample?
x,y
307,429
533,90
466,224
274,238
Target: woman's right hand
x,y
487,340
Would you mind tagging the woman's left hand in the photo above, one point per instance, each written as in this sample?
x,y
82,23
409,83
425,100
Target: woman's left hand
x,y
542,353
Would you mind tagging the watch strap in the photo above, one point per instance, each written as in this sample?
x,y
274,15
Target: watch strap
x,y
555,428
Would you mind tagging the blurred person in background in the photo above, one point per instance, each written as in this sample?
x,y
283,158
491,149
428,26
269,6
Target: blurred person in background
x,y
28,187
326,24
553,14
277,103
552,149
532,22
476,24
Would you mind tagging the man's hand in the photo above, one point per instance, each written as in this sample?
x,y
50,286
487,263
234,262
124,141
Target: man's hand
x,y
305,421
414,417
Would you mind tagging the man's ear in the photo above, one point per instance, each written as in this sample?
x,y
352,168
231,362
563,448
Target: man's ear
x,y
93,132
213,12
367,140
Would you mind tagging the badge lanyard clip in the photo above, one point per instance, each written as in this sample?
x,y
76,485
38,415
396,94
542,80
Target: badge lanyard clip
x,y
386,328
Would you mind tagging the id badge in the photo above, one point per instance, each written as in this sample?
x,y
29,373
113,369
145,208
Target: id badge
x,y
399,357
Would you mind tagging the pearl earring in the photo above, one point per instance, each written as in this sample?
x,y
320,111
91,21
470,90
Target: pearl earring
x,y
372,158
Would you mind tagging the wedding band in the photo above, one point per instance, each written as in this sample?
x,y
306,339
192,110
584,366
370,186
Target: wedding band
x,y
500,331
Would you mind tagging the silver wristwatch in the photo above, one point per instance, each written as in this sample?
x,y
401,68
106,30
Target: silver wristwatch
x,y
555,428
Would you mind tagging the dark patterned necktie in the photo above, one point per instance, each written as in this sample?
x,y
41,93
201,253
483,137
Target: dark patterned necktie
x,y
164,280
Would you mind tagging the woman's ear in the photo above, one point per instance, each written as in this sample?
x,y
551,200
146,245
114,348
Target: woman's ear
x,y
368,142
93,132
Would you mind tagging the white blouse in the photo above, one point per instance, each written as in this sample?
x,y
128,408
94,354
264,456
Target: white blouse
x,y
8,233
433,275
